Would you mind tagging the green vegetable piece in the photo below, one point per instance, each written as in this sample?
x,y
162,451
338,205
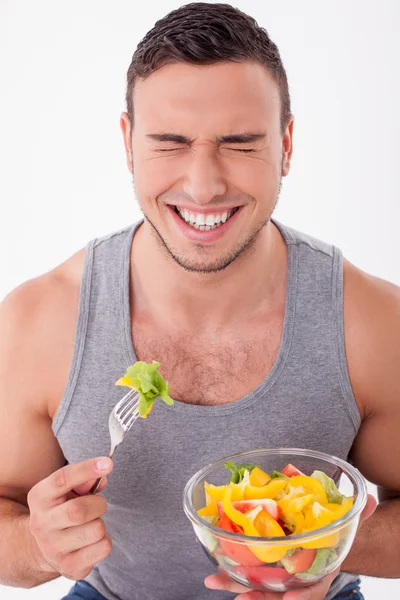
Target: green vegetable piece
x,y
322,560
146,379
329,486
278,474
238,471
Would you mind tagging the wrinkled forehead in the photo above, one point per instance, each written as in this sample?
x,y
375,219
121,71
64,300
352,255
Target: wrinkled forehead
x,y
223,98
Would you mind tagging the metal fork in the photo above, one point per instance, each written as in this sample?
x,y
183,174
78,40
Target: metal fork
x,y
121,419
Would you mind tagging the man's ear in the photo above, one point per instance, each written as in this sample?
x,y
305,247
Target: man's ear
x,y
126,129
287,147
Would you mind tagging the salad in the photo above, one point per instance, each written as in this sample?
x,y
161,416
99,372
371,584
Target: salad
x,y
276,504
148,382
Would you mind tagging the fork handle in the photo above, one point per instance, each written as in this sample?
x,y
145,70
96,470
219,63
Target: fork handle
x,y
98,481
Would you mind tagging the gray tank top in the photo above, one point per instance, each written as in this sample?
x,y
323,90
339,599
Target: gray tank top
x,y
306,401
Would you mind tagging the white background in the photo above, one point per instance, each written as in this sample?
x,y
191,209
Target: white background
x,y
63,175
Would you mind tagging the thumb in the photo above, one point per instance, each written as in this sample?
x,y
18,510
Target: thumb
x,y
369,509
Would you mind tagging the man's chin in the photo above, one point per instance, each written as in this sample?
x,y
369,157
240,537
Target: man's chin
x,y
196,266
199,260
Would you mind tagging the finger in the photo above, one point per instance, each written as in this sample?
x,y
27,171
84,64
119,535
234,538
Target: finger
x,y
76,512
256,595
369,509
53,489
75,538
77,565
84,489
314,592
222,582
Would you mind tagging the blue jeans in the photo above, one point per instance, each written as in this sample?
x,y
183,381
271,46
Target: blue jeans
x,y
350,592
83,590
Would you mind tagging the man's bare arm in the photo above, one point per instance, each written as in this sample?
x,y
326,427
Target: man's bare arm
x,y
372,325
27,444
37,326
21,562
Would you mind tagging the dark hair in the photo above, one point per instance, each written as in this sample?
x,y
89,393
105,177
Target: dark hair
x,y
205,34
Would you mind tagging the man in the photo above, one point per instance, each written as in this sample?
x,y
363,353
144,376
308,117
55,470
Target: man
x,y
266,336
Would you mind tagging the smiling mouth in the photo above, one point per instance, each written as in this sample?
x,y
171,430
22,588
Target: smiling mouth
x,y
204,222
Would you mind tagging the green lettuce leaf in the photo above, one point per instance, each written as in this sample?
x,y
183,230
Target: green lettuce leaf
x,y
278,474
238,471
329,486
322,560
146,380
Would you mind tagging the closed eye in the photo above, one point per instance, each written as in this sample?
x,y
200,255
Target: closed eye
x,y
168,149
242,149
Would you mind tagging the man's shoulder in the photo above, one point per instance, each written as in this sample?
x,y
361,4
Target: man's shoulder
x,y
297,237
372,333
37,328
28,301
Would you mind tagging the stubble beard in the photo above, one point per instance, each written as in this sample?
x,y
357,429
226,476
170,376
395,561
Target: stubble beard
x,y
241,250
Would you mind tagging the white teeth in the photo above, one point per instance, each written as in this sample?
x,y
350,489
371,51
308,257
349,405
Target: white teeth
x,y
200,219
210,220
204,222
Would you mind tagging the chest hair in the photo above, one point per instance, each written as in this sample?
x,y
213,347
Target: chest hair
x,y
216,370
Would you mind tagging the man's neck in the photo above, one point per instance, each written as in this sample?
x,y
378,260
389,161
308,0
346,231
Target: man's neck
x,y
165,293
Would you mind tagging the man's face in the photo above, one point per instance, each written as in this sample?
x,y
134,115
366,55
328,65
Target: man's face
x,y
207,158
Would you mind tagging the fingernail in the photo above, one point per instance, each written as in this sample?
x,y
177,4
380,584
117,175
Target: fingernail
x,y
103,464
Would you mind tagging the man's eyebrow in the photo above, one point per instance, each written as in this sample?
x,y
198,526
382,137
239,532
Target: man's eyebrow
x,y
240,138
233,138
169,137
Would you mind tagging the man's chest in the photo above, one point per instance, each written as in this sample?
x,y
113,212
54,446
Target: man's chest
x,y
215,369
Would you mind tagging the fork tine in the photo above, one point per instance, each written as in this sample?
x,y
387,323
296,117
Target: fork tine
x,y
123,400
131,394
127,409
131,421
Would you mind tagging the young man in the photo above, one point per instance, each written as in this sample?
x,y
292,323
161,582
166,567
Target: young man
x,y
266,336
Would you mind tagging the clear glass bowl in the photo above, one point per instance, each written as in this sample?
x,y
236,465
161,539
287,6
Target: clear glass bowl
x,y
230,552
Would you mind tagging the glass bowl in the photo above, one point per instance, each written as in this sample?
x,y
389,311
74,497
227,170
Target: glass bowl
x,y
321,551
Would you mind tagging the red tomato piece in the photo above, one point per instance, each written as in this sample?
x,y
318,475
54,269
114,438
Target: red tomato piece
x,y
263,574
270,506
240,553
300,561
290,471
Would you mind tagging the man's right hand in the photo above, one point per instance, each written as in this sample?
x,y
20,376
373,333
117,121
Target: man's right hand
x,y
67,527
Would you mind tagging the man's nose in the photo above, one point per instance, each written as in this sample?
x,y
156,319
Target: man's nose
x,y
203,180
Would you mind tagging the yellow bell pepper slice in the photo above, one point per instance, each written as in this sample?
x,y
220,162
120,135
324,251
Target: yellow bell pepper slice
x,y
292,508
294,505
235,515
210,510
317,516
258,477
271,490
214,492
308,485
265,554
339,510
